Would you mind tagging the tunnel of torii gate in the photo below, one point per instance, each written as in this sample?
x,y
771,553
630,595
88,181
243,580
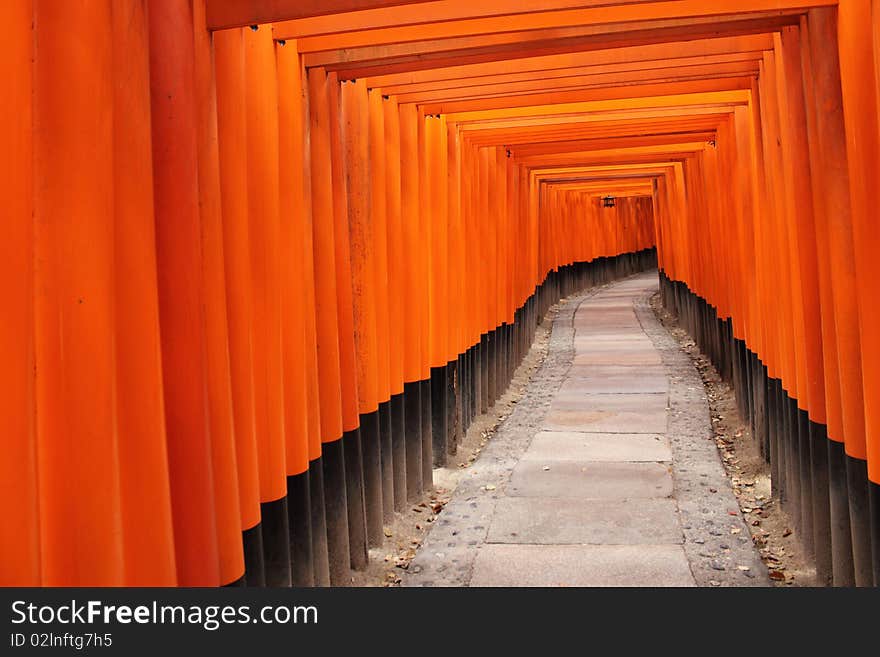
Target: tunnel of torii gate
x,y
264,262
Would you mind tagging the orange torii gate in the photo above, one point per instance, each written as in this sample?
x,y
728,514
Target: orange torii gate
x,y
319,235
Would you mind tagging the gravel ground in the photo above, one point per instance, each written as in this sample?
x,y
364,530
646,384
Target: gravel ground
x,y
770,528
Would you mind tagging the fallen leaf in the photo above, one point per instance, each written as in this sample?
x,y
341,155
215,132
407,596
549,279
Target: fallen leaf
x,y
777,576
388,532
490,486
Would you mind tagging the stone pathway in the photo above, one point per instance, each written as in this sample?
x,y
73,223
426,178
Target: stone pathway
x,y
604,475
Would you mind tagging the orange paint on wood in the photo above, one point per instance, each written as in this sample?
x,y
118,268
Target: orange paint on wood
x,y
20,563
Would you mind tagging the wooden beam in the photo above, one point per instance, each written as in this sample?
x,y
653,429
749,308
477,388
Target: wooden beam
x,y
568,132
651,52
567,74
589,81
613,14
223,14
428,12
385,60
672,98
587,145
610,93
472,129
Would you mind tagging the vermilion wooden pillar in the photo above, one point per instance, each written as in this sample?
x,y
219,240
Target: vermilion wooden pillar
x,y
19,535
379,256
181,289
216,330
395,256
419,444
232,129
296,310
347,359
148,541
354,120
860,107
323,220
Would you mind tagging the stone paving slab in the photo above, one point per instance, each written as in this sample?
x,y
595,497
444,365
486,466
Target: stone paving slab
x,y
603,322
606,447
608,315
588,340
550,521
617,334
586,346
582,565
618,358
590,480
649,402
608,413
604,421
604,371
620,384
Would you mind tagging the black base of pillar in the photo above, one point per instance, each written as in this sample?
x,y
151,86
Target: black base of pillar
x,y
299,518
254,568
354,492
398,451
874,504
484,373
336,512
276,542
372,454
859,521
319,524
492,364
412,414
821,503
792,460
439,416
806,481
451,408
387,461
774,450
841,536
427,435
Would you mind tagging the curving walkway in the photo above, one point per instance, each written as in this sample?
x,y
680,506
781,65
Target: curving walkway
x,y
604,475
